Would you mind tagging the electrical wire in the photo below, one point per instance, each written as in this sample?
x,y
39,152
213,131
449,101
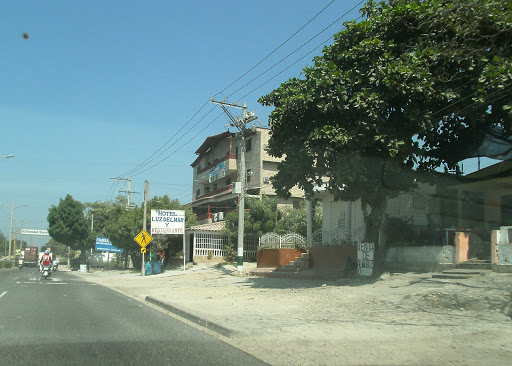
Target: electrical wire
x,y
169,140
297,49
135,172
179,148
277,48
159,152
110,190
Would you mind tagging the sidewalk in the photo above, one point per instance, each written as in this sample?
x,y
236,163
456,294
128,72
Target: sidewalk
x,y
407,319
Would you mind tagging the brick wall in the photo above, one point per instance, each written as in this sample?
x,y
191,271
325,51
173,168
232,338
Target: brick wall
x,y
273,258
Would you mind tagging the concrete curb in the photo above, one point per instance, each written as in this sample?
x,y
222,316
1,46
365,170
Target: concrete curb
x,y
225,331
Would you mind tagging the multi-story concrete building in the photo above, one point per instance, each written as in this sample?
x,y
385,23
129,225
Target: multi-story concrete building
x,y
217,168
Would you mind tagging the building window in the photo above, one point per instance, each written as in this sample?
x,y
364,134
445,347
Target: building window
x,y
215,186
249,173
198,193
207,189
248,145
228,181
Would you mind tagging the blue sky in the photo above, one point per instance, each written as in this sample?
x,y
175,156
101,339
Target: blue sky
x,y
99,86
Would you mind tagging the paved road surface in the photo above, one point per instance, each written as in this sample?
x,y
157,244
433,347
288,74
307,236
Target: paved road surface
x,y
66,321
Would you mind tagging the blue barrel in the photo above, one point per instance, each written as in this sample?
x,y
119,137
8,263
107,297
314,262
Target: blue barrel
x,y
157,268
148,268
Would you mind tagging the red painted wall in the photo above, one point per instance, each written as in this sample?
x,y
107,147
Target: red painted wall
x,y
273,258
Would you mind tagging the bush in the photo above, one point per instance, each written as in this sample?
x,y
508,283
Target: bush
x,y
399,229
6,264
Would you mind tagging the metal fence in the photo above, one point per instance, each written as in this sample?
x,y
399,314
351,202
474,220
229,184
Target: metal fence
x,y
214,245
273,240
334,238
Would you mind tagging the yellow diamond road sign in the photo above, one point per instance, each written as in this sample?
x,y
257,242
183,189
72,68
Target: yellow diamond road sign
x,y
143,238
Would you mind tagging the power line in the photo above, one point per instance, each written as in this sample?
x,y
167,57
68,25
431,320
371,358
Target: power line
x,y
110,190
277,48
161,147
135,172
168,156
297,49
159,152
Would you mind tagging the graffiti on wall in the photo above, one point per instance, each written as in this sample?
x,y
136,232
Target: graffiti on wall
x,y
365,253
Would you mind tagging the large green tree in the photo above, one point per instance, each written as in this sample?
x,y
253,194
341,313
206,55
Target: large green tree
x,y
123,225
405,89
68,225
261,218
171,244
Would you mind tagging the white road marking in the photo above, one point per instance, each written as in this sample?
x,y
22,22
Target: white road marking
x,y
3,293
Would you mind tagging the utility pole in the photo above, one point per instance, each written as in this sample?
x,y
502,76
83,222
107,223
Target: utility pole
x,y
127,190
146,197
92,229
10,233
241,125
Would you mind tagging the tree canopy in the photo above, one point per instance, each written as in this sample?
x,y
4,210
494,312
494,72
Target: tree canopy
x,y
263,216
67,223
405,89
123,225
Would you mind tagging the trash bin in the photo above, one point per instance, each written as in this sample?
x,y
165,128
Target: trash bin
x,y
156,267
75,264
148,268
83,268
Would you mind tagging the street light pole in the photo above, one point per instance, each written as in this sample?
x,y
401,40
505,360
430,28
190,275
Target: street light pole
x,y
10,232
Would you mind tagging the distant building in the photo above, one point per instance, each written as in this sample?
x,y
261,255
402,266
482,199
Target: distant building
x,y
216,169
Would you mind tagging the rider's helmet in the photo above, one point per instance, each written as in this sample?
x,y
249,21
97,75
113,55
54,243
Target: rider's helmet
x,y
46,251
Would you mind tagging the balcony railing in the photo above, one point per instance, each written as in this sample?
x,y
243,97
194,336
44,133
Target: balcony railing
x,y
215,192
206,168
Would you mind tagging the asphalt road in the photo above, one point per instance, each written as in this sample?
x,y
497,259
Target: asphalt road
x,y
66,321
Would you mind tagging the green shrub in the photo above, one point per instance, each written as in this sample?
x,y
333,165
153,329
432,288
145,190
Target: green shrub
x,y
399,229
7,264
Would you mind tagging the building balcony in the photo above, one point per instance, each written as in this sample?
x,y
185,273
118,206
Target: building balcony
x,y
216,192
219,169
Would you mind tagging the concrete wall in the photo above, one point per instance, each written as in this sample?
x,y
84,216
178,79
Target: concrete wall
x,y
501,250
505,254
430,254
345,220
335,258
425,258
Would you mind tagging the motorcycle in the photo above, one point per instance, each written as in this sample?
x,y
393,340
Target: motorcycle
x,y
20,265
46,272
54,268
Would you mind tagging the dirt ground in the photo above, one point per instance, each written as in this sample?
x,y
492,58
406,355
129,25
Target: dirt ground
x,y
396,319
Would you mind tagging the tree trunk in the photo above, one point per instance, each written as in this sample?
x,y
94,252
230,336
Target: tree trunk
x,y
136,259
373,219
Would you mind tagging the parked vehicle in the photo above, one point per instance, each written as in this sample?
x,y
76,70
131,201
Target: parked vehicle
x,y
31,257
20,263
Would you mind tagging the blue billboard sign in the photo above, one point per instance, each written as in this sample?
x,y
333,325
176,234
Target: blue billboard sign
x,y
104,245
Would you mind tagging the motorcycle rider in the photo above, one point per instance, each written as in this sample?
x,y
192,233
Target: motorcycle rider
x,y
46,260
